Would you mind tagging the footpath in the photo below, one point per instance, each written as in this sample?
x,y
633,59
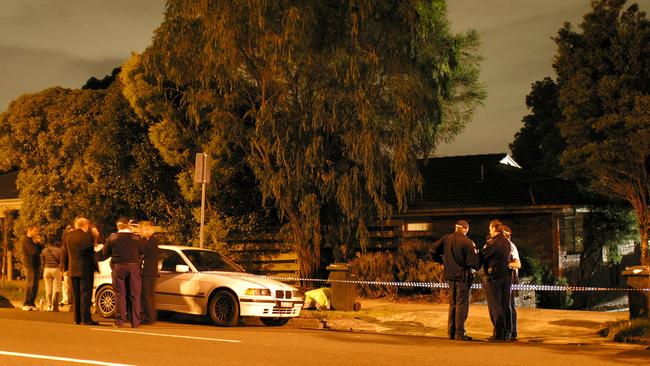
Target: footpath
x,y
430,320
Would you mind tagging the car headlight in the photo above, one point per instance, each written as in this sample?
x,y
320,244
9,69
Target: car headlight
x,y
258,292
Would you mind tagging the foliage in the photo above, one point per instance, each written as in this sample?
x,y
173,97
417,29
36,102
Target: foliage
x,y
412,262
541,274
609,227
605,101
628,331
318,108
538,144
84,152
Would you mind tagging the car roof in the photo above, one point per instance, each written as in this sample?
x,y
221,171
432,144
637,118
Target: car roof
x,y
181,247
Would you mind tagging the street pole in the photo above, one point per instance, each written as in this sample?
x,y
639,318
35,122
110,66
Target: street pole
x,y
202,214
202,175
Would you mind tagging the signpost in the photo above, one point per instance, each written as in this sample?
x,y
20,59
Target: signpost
x,y
202,175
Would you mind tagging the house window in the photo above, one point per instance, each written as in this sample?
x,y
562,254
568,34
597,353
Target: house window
x,y
418,226
572,236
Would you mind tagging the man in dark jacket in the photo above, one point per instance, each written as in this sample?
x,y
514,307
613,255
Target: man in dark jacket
x,y
31,247
149,271
124,248
460,258
495,257
79,261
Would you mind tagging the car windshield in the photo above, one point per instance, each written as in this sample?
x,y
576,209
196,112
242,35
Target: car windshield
x,y
205,260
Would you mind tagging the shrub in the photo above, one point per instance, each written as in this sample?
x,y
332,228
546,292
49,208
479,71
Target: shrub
x,y
412,262
628,331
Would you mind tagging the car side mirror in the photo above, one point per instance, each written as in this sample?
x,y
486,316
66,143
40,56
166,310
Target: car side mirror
x,y
182,268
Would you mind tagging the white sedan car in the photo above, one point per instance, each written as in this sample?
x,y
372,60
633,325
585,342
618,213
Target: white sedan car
x,y
203,282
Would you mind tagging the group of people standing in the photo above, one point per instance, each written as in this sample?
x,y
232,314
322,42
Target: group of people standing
x,y
134,264
500,261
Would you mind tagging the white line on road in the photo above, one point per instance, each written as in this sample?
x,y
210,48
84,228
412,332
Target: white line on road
x,y
66,359
167,335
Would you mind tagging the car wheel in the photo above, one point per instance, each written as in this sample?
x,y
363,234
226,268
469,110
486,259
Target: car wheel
x,y
274,322
105,302
224,309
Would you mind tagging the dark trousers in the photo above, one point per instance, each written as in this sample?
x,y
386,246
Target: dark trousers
x,y
127,274
148,304
511,312
31,286
511,318
497,292
82,292
458,307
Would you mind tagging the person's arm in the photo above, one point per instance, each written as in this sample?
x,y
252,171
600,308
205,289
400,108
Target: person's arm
x,y
515,262
473,260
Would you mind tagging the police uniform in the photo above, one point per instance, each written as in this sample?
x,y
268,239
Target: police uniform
x,y
460,257
124,248
495,257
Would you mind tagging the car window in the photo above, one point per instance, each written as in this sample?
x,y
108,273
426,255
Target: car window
x,y
205,260
170,259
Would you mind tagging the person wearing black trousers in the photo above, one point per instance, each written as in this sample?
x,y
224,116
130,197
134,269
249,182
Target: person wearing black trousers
x,y
79,261
31,247
460,259
149,271
495,257
124,248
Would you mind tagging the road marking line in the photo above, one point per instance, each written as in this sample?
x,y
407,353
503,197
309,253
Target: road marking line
x,y
167,335
76,360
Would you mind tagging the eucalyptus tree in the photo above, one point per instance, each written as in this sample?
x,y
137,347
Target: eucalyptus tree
x,y
604,84
322,107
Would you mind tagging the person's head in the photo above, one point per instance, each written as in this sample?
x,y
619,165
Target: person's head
x,y
123,224
496,227
146,228
507,231
82,223
462,226
32,231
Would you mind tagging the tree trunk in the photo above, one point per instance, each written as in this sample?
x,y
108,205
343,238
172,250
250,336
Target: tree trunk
x,y
644,245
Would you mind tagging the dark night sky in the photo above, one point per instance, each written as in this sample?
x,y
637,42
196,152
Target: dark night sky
x,y
45,43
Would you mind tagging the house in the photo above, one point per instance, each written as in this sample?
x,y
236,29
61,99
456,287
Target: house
x,y
9,193
9,202
545,213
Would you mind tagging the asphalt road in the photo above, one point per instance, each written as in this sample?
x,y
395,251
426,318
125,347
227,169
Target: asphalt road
x,y
40,338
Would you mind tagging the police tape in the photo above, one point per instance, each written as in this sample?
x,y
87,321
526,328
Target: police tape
x,y
436,285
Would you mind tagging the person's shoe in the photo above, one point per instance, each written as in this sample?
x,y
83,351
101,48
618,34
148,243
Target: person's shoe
x,y
92,322
513,339
76,323
118,325
27,308
496,340
33,308
463,338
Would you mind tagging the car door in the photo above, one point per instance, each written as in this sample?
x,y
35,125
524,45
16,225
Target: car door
x,y
175,291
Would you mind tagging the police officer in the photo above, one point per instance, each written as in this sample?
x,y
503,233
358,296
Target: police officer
x,y
460,258
124,248
495,257
514,265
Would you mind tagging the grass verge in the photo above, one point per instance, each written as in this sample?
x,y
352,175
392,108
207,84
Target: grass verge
x,y
628,331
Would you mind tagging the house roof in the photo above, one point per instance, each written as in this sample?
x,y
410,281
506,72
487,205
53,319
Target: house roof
x,y
489,180
8,189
